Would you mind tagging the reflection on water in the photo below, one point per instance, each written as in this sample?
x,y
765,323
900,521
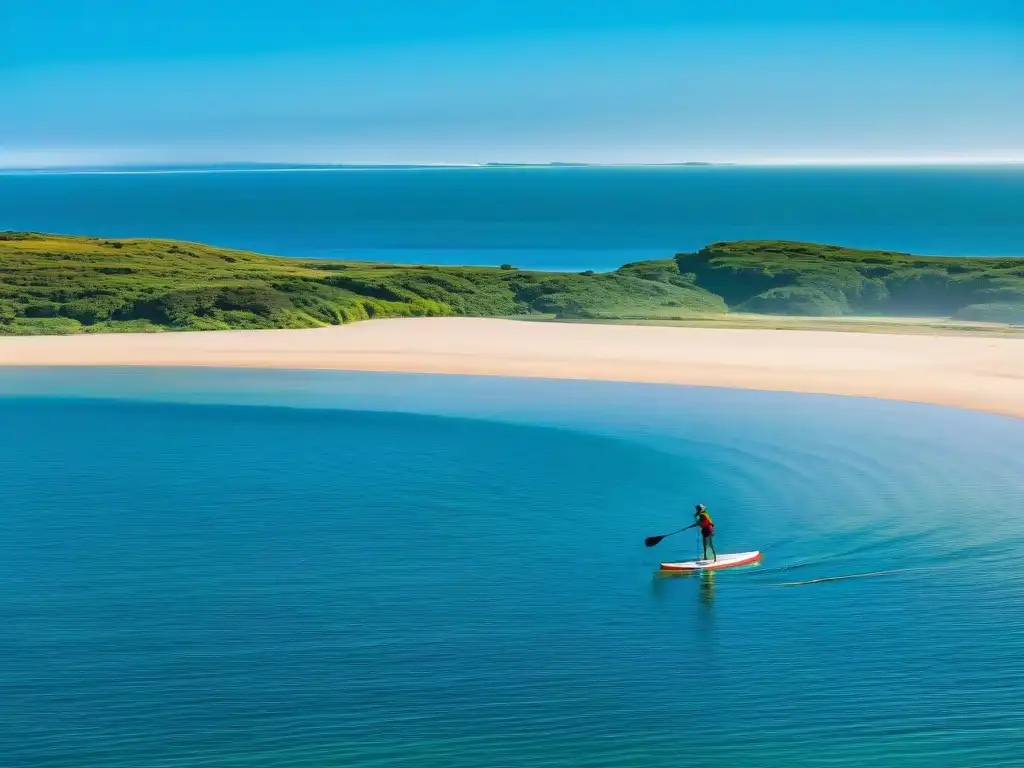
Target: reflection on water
x,y
704,581
707,587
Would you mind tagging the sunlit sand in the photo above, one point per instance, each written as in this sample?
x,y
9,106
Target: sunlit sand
x,y
973,372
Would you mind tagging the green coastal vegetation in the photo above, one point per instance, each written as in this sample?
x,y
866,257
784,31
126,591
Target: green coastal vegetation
x,y
785,278
56,284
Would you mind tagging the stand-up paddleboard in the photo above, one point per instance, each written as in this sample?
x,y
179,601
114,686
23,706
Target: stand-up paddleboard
x,y
723,561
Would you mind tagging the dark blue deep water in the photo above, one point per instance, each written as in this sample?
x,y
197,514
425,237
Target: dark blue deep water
x,y
555,218
312,569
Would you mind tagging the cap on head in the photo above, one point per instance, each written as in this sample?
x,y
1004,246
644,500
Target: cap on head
x,y
701,508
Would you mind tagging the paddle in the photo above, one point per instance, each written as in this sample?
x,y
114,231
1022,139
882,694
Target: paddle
x,y
651,541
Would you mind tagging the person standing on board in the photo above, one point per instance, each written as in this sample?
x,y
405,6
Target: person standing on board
x,y
707,530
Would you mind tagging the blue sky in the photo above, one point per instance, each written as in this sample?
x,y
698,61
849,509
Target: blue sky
x,y
465,81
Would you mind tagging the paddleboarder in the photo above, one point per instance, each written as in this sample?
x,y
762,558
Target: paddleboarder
x,y
707,529
703,521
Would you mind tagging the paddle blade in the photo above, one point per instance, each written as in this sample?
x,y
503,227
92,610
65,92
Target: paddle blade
x,y
650,541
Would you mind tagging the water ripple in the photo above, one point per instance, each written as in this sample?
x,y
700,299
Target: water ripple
x,y
215,586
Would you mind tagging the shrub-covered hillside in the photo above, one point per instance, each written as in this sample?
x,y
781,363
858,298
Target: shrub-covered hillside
x,y
787,278
57,284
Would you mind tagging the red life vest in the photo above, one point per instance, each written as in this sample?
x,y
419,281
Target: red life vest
x,y
705,523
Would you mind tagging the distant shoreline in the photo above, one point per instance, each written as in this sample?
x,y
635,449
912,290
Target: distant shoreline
x,y
186,168
969,372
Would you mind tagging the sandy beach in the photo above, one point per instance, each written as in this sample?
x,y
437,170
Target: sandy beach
x,y
972,372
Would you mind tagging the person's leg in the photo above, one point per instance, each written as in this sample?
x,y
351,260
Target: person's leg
x,y
704,541
710,540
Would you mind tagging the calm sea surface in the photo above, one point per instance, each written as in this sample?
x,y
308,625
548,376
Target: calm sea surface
x,y
243,568
557,218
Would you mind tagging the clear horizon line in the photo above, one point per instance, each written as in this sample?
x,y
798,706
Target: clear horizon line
x,y
285,166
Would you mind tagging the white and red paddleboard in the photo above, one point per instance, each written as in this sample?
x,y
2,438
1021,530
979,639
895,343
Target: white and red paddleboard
x,y
723,561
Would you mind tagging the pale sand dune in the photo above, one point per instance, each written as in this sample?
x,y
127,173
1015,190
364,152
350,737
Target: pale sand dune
x,y
974,372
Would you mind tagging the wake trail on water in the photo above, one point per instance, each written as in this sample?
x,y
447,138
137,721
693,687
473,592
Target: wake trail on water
x,y
867,575
844,577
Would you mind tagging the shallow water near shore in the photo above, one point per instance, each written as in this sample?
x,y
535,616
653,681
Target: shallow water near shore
x,y
270,568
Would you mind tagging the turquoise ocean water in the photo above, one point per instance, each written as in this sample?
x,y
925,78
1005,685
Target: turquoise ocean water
x,y
228,568
555,218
